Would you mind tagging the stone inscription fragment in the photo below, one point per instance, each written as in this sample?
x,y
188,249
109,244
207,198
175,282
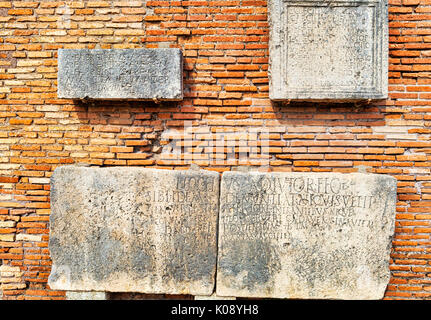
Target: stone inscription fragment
x,y
305,235
322,50
120,74
133,230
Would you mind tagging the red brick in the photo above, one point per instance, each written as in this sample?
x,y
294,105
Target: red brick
x,y
225,46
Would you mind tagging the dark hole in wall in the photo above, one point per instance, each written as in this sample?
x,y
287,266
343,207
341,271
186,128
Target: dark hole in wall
x,y
146,296
328,106
329,113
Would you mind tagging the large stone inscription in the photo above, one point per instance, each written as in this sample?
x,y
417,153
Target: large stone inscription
x,y
120,74
133,230
305,235
322,50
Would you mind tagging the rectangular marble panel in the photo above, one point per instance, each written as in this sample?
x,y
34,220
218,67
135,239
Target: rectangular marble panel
x,y
328,50
305,235
133,230
120,74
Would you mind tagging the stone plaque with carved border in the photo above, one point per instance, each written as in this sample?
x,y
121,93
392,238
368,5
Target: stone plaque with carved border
x,y
328,50
144,74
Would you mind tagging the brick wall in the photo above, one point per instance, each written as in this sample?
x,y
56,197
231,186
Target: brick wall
x,y
225,120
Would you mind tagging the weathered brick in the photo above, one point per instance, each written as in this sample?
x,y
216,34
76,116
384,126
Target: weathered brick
x,y
226,80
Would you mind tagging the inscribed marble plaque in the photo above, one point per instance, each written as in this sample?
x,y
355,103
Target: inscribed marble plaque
x,y
133,230
305,235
